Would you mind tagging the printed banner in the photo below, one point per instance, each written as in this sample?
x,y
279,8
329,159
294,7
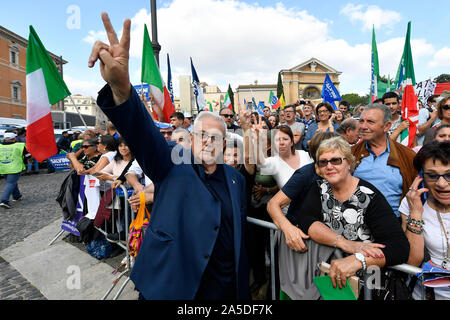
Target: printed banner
x,y
71,225
425,89
145,88
59,162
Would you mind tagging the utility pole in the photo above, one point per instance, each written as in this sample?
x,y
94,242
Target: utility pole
x,y
155,44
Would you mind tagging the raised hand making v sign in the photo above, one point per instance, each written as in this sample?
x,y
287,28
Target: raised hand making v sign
x,y
114,59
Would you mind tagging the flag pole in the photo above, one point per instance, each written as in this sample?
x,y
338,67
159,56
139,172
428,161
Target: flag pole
x,y
78,111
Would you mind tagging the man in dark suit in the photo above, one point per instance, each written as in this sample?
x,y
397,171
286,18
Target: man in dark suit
x,y
194,245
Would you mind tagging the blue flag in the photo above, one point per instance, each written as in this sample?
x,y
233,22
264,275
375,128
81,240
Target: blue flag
x,y
329,92
261,107
169,78
198,91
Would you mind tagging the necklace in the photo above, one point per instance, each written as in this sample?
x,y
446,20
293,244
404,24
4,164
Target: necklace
x,y
446,262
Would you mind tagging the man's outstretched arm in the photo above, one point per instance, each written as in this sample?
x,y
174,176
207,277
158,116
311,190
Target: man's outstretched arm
x,y
123,107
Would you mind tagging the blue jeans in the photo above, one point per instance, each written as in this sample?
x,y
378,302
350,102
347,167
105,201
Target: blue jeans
x,y
33,166
11,187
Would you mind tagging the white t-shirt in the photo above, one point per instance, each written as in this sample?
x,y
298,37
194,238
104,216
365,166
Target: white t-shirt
x,y
280,170
136,169
110,155
434,241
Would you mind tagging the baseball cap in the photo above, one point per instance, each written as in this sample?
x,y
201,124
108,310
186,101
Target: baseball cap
x,y
9,135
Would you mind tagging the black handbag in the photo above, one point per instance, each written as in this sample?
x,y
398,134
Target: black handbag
x,y
86,228
393,287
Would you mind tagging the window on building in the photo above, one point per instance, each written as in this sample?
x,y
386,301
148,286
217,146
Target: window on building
x,y
14,55
16,91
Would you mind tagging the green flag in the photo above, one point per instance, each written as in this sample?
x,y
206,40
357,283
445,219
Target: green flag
x,y
375,69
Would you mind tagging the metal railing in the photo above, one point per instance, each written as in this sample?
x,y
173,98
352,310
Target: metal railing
x,y
405,268
113,227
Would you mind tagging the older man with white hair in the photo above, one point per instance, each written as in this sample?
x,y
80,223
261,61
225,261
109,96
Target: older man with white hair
x,y
194,245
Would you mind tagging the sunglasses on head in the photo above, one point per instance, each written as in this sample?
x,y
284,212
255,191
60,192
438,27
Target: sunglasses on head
x,y
333,161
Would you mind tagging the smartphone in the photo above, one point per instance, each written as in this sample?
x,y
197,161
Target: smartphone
x,y
423,197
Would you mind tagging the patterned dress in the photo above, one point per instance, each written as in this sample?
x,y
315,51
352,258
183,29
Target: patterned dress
x,y
347,218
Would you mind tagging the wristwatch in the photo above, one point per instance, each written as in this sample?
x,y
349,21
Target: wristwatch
x,y
359,256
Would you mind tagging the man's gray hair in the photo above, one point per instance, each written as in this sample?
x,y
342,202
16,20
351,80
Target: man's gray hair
x,y
209,114
387,114
349,123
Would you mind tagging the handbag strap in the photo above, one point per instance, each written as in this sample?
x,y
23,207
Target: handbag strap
x,y
139,221
124,172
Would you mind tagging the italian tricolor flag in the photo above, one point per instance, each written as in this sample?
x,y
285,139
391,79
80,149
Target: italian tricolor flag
x,y
227,102
409,102
45,87
151,75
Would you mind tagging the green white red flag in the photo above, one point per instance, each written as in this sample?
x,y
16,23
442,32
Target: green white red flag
x,y
227,102
273,100
151,75
45,87
409,102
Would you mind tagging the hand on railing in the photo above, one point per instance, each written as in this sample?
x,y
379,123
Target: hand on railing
x,y
294,237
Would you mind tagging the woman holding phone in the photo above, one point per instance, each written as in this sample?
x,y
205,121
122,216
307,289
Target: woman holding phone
x,y
325,122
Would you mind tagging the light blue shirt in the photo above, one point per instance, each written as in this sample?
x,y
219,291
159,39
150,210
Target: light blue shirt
x,y
387,179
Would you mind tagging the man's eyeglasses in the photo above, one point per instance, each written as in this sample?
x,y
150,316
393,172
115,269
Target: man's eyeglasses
x,y
333,161
445,107
433,177
227,115
215,138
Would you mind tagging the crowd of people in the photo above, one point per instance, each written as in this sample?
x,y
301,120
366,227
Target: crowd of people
x,y
329,180
334,182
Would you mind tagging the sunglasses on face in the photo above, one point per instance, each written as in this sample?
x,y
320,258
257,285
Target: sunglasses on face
x,y
433,177
227,115
445,107
334,161
87,146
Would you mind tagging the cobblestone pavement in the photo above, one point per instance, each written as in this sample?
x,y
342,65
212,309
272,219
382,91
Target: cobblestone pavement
x,y
36,210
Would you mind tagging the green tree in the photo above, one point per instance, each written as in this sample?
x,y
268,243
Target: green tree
x,y
443,78
355,99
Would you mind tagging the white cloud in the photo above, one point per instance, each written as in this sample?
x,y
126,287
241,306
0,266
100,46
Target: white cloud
x,y
84,87
94,36
237,43
371,16
441,58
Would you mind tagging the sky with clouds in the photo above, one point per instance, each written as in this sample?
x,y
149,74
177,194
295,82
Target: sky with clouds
x,y
238,41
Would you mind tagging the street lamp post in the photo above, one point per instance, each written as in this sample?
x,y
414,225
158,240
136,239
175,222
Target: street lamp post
x,y
155,44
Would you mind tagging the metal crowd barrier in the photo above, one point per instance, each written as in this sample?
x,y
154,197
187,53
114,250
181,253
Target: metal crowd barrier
x,y
405,268
113,227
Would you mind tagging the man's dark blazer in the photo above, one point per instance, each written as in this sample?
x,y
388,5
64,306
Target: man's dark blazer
x,y
185,216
